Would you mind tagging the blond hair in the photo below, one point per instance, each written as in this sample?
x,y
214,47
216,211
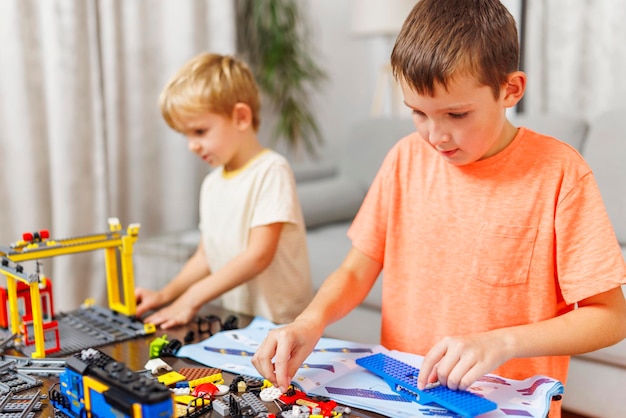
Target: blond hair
x,y
442,38
209,83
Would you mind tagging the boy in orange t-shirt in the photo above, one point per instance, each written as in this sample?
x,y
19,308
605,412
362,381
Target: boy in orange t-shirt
x,y
489,235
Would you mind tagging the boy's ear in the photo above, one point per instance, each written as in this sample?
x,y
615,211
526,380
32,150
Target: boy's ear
x,y
514,88
242,115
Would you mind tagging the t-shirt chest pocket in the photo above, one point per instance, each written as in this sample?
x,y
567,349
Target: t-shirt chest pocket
x,y
503,253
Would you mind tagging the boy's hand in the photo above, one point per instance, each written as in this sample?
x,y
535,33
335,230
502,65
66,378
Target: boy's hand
x,y
147,300
180,312
457,362
284,349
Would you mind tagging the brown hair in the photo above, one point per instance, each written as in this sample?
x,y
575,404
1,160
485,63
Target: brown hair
x,y
441,38
210,83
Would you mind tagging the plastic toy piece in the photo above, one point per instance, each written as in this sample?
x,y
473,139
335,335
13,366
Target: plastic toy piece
x,y
193,373
231,322
156,364
12,405
156,345
12,380
38,245
402,378
188,406
294,396
221,408
24,297
235,406
120,300
94,384
13,274
254,403
43,367
171,348
215,379
170,378
222,390
205,390
206,324
269,394
50,329
198,407
92,326
212,324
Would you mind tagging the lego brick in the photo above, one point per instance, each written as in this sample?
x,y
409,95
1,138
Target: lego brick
x,y
402,378
221,408
255,403
193,373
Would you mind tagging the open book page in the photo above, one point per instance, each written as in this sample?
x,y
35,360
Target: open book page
x,y
515,398
232,351
330,360
331,371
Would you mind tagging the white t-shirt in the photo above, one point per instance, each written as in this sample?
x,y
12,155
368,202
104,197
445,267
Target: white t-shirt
x,y
262,192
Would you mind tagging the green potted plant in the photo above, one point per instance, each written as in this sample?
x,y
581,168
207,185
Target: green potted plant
x,y
272,37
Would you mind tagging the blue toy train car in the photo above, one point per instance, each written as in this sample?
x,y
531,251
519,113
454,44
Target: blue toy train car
x,y
94,384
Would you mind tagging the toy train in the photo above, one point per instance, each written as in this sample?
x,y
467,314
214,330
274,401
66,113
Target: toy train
x,y
94,384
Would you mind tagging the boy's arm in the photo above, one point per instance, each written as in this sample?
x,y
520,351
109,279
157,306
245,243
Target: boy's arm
x,y
457,362
284,349
256,257
194,269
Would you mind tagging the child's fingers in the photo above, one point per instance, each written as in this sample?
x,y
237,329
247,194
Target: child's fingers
x,y
262,359
429,369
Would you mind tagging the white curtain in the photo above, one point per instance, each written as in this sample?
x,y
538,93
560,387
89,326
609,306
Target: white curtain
x,y
81,136
575,57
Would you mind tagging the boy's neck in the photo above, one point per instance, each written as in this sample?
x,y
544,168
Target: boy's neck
x,y
250,148
509,132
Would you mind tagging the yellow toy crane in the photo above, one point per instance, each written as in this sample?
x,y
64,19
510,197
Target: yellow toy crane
x,y
121,296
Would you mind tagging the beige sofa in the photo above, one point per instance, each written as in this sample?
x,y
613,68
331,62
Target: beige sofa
x,y
331,193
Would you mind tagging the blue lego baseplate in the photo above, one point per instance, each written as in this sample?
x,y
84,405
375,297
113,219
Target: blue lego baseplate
x,y
402,378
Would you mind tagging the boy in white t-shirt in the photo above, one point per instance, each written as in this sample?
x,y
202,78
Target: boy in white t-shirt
x,y
253,249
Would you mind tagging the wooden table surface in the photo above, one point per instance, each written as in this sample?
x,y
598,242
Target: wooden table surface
x,y
135,353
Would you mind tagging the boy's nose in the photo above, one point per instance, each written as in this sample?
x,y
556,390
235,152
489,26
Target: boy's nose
x,y
437,134
194,146
436,138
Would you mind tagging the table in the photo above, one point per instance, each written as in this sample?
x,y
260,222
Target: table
x,y
135,353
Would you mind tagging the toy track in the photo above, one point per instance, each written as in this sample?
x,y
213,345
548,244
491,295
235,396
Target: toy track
x,y
15,406
93,326
44,366
12,381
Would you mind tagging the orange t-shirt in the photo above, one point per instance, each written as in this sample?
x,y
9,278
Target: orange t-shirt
x,y
516,238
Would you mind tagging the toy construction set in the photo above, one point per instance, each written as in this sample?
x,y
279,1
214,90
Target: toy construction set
x,y
90,383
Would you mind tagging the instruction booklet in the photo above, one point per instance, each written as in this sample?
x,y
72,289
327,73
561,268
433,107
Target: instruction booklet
x,y
331,371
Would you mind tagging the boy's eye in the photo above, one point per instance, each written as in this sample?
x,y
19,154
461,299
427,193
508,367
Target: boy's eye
x,y
199,132
458,115
417,113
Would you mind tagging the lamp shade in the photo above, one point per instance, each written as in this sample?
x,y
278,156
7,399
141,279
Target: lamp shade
x,y
379,17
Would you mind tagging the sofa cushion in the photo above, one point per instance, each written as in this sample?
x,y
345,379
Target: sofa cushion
x,y
328,246
595,389
329,200
367,146
605,151
314,171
